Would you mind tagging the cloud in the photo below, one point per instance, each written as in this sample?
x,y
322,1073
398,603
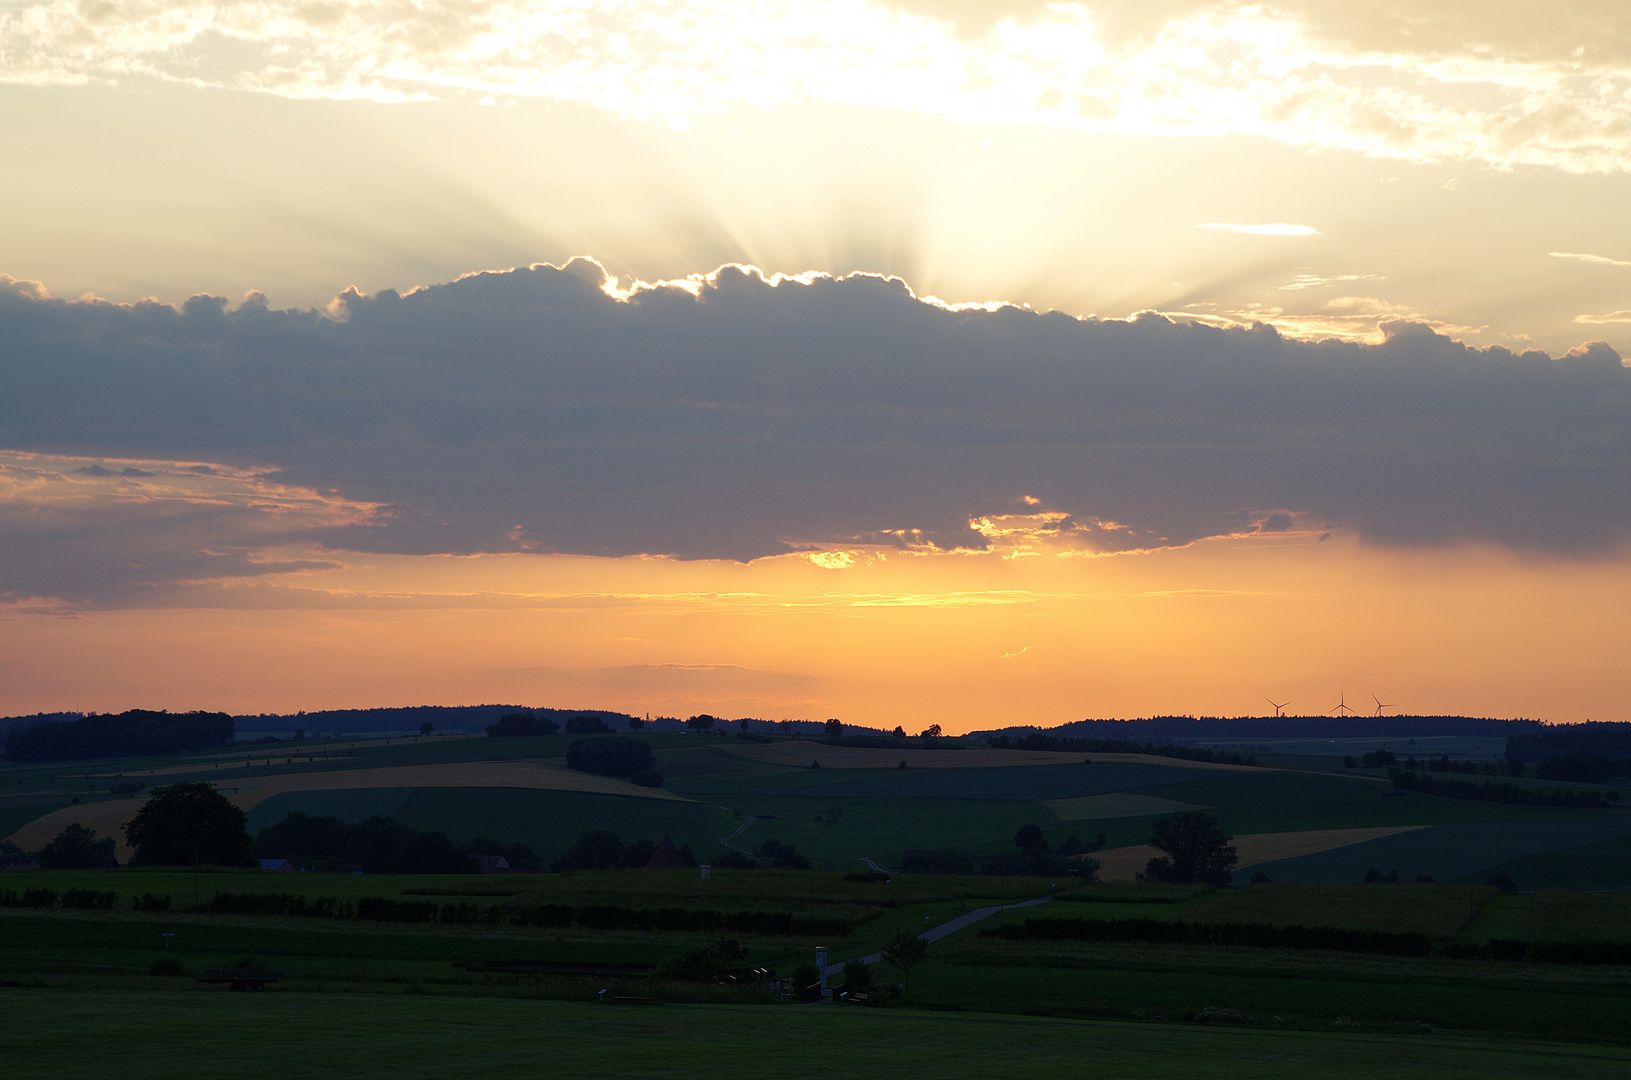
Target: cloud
x,y
1277,228
1418,80
1621,316
1601,260
77,535
731,416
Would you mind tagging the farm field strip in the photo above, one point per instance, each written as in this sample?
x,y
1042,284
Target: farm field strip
x,y
800,752
312,753
1117,804
1448,852
1121,864
107,817
393,1036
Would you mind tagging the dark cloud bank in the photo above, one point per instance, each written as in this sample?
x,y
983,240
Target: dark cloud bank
x,y
752,415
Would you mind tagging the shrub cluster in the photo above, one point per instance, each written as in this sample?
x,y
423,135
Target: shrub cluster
x,y
1255,935
589,916
611,755
323,907
602,849
380,846
88,899
772,854
1545,952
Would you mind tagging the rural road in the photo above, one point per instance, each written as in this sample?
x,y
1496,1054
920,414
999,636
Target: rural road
x,y
951,927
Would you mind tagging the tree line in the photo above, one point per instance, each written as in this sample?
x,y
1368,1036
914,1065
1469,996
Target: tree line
x,y
135,733
1491,791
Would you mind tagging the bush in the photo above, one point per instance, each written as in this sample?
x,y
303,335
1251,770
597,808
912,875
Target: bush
x,y
76,848
610,755
150,902
724,957
945,861
647,778
166,965
1503,881
400,850
89,899
857,977
596,849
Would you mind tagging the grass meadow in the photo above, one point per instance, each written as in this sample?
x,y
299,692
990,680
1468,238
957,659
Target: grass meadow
x,y
154,1035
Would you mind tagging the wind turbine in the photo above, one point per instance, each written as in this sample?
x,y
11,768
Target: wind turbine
x,y
1342,705
1278,705
1380,705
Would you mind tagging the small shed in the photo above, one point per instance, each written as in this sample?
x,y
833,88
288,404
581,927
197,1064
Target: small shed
x,y
277,864
491,864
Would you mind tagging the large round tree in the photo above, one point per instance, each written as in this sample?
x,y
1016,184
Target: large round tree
x,y
189,823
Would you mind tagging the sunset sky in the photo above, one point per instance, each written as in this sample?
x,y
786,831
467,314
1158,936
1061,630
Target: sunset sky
x,y
972,362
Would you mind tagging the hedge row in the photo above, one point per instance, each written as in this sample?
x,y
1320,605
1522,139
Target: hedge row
x,y
89,899
324,907
1489,791
590,917
1256,935
1545,952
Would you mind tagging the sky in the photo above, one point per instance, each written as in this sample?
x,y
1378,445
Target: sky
x,y
910,362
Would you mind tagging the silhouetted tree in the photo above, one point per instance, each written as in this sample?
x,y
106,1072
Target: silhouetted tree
x,y
611,755
906,951
1197,849
76,848
186,823
1030,840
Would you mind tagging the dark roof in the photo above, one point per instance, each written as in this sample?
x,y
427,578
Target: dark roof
x,y
666,855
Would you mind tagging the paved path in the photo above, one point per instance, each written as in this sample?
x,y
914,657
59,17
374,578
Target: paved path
x,y
946,928
727,840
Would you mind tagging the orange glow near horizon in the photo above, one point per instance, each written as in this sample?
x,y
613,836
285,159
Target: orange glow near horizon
x,y
968,641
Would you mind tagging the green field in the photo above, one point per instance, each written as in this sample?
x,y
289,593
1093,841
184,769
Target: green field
x,y
1451,852
549,821
153,1035
1606,865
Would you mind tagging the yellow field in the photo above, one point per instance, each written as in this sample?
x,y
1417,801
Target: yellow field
x,y
1121,864
246,791
800,752
1116,804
